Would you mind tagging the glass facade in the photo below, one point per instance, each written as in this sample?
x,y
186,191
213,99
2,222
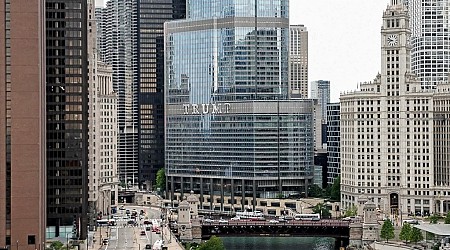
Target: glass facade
x,y
152,15
333,142
207,9
67,115
228,117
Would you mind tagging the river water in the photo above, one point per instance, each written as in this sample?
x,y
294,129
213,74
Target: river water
x,y
278,243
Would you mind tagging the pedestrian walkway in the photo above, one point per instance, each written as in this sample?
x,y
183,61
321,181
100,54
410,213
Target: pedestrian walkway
x,y
100,234
170,240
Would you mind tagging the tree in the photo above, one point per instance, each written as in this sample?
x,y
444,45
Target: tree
x,y
215,243
321,209
161,179
336,189
387,230
447,218
405,232
315,191
415,235
433,219
353,211
56,245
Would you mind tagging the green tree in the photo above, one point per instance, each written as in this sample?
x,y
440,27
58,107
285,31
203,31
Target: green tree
x,y
321,209
56,245
161,179
447,218
387,230
315,191
433,219
336,189
353,211
415,235
215,243
405,232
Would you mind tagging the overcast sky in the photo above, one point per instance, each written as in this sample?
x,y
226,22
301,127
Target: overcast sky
x,y
344,39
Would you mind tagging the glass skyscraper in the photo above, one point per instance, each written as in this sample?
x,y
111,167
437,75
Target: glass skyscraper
x,y
230,128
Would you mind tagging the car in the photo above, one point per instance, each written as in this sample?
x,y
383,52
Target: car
x,y
208,220
236,218
282,219
273,221
147,222
148,229
352,218
122,208
105,242
223,221
148,246
288,218
411,221
142,232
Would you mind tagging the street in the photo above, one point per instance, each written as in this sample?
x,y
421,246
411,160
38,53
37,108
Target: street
x,y
131,236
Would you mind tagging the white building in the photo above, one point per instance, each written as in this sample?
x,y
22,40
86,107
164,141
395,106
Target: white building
x,y
298,61
430,39
103,172
388,132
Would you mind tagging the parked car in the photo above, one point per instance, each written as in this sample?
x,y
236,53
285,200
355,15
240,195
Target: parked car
x,y
208,220
142,232
223,221
236,218
411,221
273,221
148,246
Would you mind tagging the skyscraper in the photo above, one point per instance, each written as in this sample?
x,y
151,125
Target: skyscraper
x,y
430,40
393,139
131,39
320,90
22,119
333,142
231,130
152,15
298,59
67,117
117,45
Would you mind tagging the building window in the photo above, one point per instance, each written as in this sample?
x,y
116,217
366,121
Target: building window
x,y
31,239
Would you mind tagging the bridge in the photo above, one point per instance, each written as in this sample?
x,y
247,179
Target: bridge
x,y
340,230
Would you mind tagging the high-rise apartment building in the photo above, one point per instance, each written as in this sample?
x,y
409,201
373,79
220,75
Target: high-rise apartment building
x,y
131,39
320,90
103,172
22,118
333,142
430,40
393,139
117,44
231,130
152,15
66,117
298,61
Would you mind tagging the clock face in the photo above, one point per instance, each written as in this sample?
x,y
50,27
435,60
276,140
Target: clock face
x,y
392,40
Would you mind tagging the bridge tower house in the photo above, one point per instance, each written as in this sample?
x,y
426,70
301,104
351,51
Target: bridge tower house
x,y
370,224
184,221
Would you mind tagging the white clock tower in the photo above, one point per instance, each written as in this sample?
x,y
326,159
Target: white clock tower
x,y
395,57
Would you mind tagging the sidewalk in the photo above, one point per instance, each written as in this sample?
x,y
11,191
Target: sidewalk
x,y
171,245
99,235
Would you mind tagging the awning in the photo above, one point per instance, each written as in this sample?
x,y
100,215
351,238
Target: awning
x,y
437,229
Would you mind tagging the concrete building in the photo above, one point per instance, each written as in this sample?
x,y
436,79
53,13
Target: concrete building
x,y
131,39
333,142
231,130
117,44
430,40
298,61
22,118
392,144
320,90
103,171
66,117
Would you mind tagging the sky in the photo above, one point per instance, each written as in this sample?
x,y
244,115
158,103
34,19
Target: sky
x,y
344,40
344,43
